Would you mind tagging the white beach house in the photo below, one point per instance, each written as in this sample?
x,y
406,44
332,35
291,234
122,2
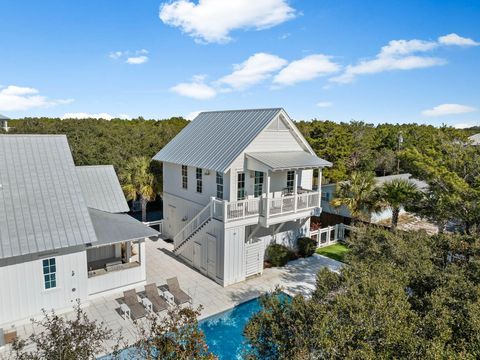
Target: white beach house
x,y
64,234
233,183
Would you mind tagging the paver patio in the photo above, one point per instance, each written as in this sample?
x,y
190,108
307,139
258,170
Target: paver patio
x,y
298,277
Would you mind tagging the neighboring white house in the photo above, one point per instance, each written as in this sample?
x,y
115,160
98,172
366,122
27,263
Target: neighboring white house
x,y
64,234
328,194
4,123
235,182
475,139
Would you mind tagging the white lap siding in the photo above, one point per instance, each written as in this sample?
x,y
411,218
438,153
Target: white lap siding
x,y
22,293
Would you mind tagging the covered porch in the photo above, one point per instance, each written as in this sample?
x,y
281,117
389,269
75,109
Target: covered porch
x,y
117,259
282,187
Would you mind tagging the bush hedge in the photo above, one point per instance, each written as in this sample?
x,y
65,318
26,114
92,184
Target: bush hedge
x,y
278,255
306,246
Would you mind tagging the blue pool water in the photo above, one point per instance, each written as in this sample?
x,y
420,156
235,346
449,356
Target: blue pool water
x,y
224,332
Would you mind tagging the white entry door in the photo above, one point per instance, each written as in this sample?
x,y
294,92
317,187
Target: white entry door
x,y
211,257
254,257
197,255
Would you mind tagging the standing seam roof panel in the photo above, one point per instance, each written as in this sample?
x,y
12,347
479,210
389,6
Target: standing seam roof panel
x,y
215,139
41,204
101,188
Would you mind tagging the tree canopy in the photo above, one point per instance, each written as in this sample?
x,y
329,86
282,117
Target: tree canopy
x,y
402,295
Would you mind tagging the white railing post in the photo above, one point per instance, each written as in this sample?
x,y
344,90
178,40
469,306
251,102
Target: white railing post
x,y
225,210
212,206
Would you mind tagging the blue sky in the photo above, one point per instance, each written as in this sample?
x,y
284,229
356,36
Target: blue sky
x,y
376,61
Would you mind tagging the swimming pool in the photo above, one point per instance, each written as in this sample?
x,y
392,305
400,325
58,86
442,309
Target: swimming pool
x,y
224,331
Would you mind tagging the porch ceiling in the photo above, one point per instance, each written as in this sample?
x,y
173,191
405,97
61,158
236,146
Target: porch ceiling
x,y
285,160
114,228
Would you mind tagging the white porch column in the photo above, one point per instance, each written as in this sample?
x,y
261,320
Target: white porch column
x,y
128,251
295,185
267,205
319,189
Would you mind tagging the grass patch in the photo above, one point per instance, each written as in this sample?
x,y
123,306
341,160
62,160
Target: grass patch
x,y
336,251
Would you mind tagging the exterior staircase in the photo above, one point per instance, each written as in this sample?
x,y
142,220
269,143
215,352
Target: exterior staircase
x,y
192,227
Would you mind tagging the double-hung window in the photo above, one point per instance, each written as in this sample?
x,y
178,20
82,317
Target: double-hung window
x,y
290,180
219,185
240,186
49,273
258,184
184,176
199,180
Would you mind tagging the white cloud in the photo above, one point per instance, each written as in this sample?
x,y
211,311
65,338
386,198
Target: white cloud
x,y
192,115
195,89
18,98
106,116
308,68
405,47
255,69
402,55
464,125
137,60
130,57
213,20
387,63
448,109
324,104
454,39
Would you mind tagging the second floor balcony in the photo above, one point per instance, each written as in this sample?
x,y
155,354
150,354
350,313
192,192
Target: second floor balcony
x,y
268,209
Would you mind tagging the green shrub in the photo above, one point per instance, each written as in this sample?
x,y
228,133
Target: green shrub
x,y
278,255
306,246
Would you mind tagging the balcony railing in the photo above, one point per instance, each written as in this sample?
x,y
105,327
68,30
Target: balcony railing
x,y
266,207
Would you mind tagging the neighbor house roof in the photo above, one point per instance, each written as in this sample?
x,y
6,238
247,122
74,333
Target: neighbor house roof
x,y
213,140
475,139
41,203
101,188
3,117
380,180
289,160
114,228
421,185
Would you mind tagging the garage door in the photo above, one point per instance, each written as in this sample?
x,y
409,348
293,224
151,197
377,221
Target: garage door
x,y
253,257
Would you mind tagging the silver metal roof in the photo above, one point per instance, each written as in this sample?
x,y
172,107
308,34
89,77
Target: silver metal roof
x,y
421,185
3,117
213,140
115,228
101,188
41,203
475,139
283,160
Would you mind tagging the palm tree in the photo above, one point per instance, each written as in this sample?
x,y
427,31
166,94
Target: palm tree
x,y
396,194
359,195
139,182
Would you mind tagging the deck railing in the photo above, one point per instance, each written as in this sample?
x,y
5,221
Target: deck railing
x,y
157,225
192,225
268,207
243,209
